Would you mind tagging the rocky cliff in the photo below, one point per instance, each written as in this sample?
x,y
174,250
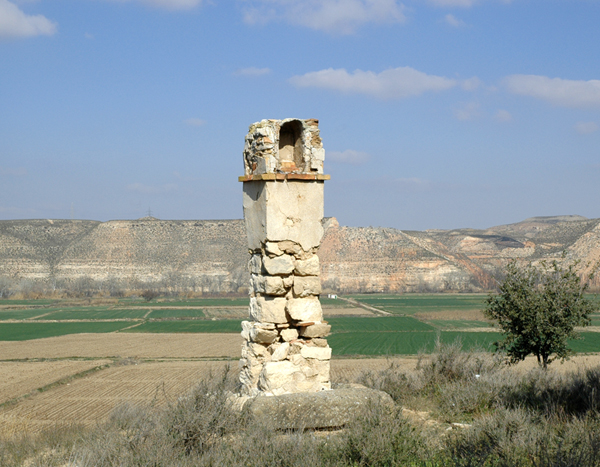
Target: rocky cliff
x,y
211,256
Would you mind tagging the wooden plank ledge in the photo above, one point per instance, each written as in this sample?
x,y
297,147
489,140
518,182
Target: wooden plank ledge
x,y
283,176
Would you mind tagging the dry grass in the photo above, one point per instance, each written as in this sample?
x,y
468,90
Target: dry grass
x,y
124,345
337,311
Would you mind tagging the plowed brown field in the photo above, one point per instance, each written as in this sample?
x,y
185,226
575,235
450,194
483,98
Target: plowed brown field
x,y
18,378
123,345
91,398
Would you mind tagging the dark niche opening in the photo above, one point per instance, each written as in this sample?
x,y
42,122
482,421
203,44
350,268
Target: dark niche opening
x,y
290,146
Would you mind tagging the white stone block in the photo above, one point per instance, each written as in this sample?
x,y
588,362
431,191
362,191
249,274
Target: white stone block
x,y
257,283
263,336
315,330
280,351
274,285
308,267
246,327
305,286
273,249
268,310
319,353
289,334
255,264
279,265
288,210
275,375
305,309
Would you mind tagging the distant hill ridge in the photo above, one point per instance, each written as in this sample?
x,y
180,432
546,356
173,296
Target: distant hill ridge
x,y
211,255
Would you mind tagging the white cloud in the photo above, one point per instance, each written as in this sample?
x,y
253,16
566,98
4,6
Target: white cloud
x,y
586,128
557,91
469,111
170,4
503,116
332,16
471,84
348,156
252,71
152,190
87,35
15,23
194,122
453,21
13,171
395,83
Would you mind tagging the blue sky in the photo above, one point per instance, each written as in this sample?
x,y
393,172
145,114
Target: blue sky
x,y
433,113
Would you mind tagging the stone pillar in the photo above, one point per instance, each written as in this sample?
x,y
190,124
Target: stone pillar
x,y
285,350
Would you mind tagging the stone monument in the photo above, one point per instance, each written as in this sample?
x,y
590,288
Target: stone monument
x,y
285,350
285,354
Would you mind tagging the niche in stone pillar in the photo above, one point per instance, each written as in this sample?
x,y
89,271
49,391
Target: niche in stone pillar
x,y
290,146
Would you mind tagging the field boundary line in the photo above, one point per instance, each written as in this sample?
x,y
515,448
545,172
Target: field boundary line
x,y
132,326
366,307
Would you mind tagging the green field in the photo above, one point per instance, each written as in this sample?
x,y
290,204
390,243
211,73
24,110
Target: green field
x,y
99,312
410,304
20,314
382,324
401,334
223,325
26,331
195,302
455,324
404,343
177,313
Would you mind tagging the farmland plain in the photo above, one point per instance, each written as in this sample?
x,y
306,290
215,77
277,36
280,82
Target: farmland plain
x,y
73,361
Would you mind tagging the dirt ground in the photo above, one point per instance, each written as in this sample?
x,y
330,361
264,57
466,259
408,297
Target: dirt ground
x,y
337,311
20,378
466,315
90,399
124,345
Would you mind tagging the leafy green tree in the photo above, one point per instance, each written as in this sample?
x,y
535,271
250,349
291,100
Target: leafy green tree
x,y
537,310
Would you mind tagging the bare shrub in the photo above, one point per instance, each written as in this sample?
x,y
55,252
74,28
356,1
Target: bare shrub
x,y
381,436
198,421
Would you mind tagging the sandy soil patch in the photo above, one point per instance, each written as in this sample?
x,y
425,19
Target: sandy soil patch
x,y
20,378
337,311
240,312
136,345
466,315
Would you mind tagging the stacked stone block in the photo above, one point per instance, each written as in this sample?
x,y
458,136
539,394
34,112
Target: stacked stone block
x,y
285,349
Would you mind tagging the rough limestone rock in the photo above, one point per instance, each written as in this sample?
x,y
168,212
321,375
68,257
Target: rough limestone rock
x,y
307,286
326,409
309,267
305,309
268,309
279,265
315,330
